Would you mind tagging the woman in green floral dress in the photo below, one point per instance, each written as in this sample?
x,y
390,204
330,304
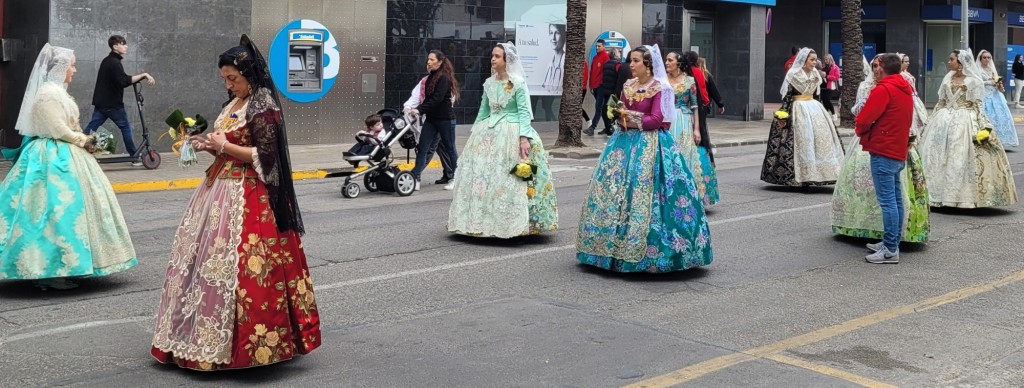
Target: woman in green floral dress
x,y
488,200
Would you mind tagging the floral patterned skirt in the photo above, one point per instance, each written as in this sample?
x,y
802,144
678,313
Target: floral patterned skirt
x,y
711,195
487,200
682,132
804,150
999,114
960,172
238,292
642,212
855,209
59,216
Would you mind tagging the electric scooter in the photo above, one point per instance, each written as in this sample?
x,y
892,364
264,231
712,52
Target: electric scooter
x,y
149,156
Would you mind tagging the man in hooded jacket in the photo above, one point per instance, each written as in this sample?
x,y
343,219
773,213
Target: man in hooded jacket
x,y
883,126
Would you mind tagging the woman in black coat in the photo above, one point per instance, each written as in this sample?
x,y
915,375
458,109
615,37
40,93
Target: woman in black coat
x,y
439,91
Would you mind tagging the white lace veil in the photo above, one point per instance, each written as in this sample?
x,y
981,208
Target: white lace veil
x,y
971,70
514,68
51,67
990,71
668,97
798,63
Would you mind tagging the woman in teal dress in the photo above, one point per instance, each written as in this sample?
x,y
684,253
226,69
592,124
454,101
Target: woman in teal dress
x,y
59,217
488,200
642,212
855,209
685,128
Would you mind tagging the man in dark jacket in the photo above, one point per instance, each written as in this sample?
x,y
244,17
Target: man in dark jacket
x,y
883,126
610,75
625,74
108,97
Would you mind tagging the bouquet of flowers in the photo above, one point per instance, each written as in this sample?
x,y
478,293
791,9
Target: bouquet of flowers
x,y
181,128
983,135
1000,83
525,170
782,116
104,141
613,106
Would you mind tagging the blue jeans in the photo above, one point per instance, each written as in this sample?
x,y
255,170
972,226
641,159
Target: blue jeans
x,y
885,172
120,118
600,100
448,171
431,130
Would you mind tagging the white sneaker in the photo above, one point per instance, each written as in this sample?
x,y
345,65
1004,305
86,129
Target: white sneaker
x,y
450,186
883,256
416,187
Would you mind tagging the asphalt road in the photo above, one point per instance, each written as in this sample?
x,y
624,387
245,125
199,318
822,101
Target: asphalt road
x,y
405,304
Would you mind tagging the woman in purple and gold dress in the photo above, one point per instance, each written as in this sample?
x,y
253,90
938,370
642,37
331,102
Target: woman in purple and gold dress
x,y
642,212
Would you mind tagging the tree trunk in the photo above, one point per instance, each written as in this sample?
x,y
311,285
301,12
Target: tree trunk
x,y
853,65
570,111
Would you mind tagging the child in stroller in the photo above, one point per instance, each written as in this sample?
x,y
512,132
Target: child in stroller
x,y
384,129
367,140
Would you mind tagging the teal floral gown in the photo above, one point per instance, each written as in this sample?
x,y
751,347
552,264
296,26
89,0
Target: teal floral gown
x,y
59,216
855,209
682,131
642,212
487,200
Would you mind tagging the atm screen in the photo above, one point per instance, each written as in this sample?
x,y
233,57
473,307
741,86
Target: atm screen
x,y
295,63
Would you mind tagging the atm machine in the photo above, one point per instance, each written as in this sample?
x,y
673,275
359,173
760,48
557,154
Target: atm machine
x,y
305,61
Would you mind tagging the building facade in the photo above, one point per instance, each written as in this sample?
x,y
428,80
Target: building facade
x,y
373,51
926,30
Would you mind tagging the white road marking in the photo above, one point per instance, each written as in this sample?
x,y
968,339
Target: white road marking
x,y
65,329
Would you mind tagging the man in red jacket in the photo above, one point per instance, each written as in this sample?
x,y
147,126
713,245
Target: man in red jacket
x,y
883,126
596,76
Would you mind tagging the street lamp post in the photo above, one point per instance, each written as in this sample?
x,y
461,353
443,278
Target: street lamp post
x,y
964,17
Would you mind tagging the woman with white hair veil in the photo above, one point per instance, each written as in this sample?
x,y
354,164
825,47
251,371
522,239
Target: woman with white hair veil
x,y
965,165
995,106
642,212
855,208
490,197
59,217
803,145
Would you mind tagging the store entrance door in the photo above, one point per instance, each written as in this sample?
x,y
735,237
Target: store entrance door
x,y
702,37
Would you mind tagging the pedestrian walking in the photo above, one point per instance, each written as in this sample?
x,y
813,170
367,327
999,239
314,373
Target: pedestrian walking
x,y
447,170
1018,78
594,80
440,90
108,96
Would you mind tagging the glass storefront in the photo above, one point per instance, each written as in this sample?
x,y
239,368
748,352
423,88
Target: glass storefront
x,y
942,39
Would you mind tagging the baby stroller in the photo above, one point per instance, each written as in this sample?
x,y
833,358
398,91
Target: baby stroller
x,y
381,174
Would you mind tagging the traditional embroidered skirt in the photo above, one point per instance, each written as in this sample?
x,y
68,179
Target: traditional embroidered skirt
x,y
642,212
238,292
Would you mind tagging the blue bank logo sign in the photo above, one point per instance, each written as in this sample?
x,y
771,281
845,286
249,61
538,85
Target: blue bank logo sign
x,y
304,60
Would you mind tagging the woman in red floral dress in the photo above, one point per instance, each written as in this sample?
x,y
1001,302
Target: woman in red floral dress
x,y
238,292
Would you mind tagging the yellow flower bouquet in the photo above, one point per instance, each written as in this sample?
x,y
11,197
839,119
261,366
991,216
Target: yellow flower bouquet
x,y
526,171
781,115
983,136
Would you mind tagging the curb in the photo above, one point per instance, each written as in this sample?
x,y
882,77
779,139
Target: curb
x,y
191,183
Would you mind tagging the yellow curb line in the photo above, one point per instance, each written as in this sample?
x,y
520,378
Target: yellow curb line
x,y
829,371
767,351
191,183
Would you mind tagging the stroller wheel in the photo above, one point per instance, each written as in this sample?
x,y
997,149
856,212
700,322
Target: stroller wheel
x,y
350,190
370,181
405,183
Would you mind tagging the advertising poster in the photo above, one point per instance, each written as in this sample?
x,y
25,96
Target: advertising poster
x,y
542,49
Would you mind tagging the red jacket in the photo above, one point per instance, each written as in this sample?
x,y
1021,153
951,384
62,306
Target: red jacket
x,y
884,123
789,63
702,84
597,69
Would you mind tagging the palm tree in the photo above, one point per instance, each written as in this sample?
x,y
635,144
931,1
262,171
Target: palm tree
x,y
853,51
571,111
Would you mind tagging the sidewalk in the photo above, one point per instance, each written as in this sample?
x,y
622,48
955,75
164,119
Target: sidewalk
x,y
322,160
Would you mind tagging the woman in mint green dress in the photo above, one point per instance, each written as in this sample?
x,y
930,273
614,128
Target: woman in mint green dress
x,y
488,200
59,217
